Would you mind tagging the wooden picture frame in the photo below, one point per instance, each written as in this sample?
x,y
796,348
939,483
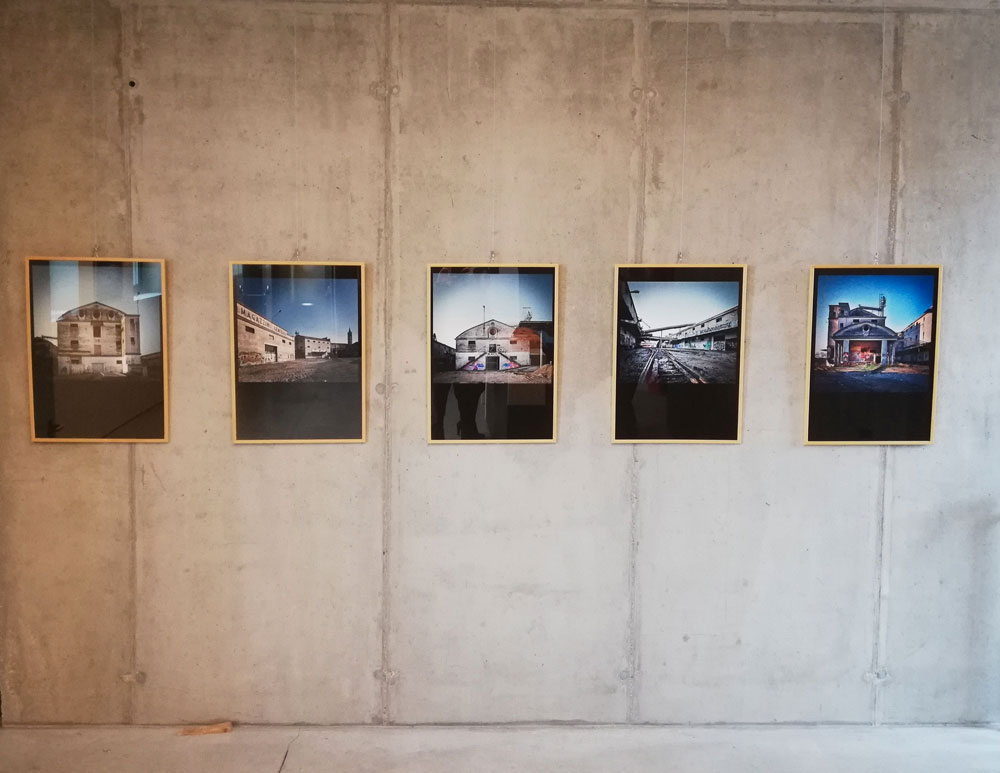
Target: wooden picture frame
x,y
307,382
499,382
679,353
872,354
97,350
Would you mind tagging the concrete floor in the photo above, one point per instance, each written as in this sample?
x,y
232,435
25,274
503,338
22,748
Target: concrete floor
x,y
480,750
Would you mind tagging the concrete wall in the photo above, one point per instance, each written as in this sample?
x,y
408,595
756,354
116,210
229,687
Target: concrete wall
x,y
349,584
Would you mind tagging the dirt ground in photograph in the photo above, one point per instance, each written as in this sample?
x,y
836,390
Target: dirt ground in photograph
x,y
894,378
338,369
528,374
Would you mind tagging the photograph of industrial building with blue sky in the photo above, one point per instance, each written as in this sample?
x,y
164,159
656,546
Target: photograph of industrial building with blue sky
x,y
679,353
97,349
492,326
297,350
873,352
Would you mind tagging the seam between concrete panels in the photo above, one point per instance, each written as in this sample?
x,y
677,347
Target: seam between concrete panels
x,y
633,649
386,259
873,674
125,138
896,135
640,90
641,95
880,675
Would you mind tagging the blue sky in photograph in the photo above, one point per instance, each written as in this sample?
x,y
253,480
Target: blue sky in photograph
x,y
61,285
660,304
907,296
319,307
459,299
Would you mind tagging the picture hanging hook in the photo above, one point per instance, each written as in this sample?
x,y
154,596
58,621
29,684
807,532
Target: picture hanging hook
x,y
876,257
680,256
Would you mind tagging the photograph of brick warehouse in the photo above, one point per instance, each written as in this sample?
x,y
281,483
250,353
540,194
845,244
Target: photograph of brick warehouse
x,y
873,352
678,353
492,352
298,352
322,313
97,349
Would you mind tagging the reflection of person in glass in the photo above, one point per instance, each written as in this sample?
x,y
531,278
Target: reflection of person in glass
x,y
467,396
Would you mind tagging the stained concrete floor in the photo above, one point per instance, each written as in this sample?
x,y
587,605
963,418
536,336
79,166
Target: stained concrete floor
x,y
510,749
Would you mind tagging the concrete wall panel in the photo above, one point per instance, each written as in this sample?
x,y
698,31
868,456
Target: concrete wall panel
x,y
256,136
943,621
515,136
65,547
743,619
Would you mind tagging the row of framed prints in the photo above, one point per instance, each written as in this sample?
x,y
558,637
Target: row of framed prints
x,y
97,334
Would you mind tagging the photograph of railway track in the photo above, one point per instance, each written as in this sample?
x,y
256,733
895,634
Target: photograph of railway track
x,y
679,353
872,354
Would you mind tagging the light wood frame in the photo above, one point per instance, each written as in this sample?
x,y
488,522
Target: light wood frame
x,y
362,295
556,355
614,353
29,314
810,342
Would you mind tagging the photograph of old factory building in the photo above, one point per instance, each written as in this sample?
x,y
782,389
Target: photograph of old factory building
x,y
259,340
114,331
97,339
512,341
295,326
859,336
495,345
878,324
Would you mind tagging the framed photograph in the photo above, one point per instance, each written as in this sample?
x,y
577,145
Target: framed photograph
x,y
298,352
872,354
492,353
97,343
678,339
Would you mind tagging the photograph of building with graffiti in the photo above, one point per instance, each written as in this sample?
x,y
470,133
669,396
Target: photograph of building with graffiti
x,y
872,354
678,353
97,334
298,354
492,352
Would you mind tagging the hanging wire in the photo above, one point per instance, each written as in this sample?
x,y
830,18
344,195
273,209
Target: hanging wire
x,y
687,48
493,142
295,132
93,129
878,165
